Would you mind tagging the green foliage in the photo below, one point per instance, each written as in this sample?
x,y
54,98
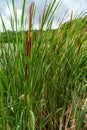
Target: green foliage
x,y
52,95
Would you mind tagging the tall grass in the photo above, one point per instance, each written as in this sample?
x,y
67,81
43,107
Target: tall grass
x,y
43,78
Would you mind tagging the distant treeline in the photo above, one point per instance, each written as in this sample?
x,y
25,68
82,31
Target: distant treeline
x,y
12,36
76,24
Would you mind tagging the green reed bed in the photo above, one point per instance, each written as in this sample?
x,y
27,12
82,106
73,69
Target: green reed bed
x,y
43,78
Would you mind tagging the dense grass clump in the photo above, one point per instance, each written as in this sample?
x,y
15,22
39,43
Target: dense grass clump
x,y
43,74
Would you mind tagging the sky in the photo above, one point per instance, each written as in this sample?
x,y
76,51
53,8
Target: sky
x,y
67,5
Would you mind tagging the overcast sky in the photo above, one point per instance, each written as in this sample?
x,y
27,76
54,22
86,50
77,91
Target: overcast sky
x,y
76,5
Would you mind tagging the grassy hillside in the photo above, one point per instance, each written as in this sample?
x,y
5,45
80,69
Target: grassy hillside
x,y
43,75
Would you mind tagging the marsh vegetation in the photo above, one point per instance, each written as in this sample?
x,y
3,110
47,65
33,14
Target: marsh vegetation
x,y
43,73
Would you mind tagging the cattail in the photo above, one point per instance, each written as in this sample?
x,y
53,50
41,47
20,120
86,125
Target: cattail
x,y
41,18
71,16
29,38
